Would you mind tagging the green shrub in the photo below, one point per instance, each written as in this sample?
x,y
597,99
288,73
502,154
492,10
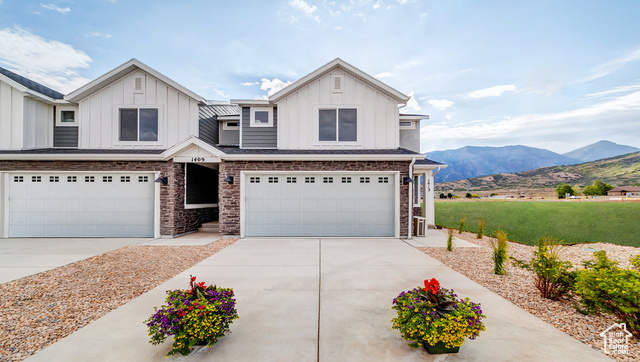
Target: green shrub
x,y
450,240
480,228
467,195
563,189
605,287
635,262
462,221
552,276
443,196
499,255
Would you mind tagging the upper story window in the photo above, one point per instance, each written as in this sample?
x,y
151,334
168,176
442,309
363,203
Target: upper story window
x,y
66,116
338,125
138,124
231,125
407,125
261,117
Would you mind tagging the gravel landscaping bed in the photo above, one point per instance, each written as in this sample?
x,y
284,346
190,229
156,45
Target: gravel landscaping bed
x,y
38,310
517,286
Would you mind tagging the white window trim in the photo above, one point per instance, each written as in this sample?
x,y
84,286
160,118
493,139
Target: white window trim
x,y
413,125
316,130
59,122
417,186
252,117
226,127
116,124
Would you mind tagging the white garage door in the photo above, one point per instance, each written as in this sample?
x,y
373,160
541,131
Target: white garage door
x,y
320,205
81,205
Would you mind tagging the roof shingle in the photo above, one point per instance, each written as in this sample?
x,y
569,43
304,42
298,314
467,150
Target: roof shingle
x,y
34,86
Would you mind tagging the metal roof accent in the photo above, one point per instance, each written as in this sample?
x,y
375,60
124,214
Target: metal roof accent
x,y
34,86
212,110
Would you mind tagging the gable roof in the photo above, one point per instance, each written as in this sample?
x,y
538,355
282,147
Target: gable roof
x,y
347,68
29,84
121,71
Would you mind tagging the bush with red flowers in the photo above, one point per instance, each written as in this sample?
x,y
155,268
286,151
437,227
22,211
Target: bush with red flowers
x,y
200,315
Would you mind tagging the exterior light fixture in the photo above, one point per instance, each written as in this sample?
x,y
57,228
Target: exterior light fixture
x,y
229,180
163,180
407,180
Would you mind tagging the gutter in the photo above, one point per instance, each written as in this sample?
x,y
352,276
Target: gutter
x,y
409,235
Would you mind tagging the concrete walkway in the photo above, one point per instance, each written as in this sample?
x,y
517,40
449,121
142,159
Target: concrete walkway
x,y
21,257
438,239
320,299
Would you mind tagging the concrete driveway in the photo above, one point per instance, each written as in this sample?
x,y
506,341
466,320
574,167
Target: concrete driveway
x,y
23,257
320,300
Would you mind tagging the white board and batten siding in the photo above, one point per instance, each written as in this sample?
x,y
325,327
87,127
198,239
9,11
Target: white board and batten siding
x,y
11,117
99,116
38,124
377,114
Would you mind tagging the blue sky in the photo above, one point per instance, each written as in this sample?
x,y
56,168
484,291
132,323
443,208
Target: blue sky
x,y
548,74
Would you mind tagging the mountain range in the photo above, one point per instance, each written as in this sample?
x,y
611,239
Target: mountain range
x,y
618,171
468,162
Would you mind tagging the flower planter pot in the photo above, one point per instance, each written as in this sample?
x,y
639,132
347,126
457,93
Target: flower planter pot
x,y
440,348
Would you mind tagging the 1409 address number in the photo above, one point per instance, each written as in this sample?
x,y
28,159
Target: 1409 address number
x,y
198,159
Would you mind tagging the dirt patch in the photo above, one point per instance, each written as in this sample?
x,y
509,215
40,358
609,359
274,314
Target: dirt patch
x,y
38,310
518,288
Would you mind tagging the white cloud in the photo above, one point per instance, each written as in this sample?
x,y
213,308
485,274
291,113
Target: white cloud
x,y
377,5
614,90
611,66
402,2
45,61
384,75
305,8
412,105
250,84
98,35
55,8
441,104
449,116
550,128
272,86
493,91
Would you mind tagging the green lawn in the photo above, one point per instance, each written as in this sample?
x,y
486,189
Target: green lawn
x,y
525,222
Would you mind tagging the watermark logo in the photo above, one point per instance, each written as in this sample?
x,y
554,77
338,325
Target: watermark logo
x,y
616,339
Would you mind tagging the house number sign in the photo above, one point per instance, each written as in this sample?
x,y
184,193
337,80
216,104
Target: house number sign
x,y
198,159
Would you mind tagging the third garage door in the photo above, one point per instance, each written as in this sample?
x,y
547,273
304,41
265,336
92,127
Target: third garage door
x,y
340,205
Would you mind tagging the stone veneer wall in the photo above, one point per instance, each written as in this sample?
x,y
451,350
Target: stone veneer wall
x,y
230,193
174,218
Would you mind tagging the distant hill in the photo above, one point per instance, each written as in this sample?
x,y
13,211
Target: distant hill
x,y
618,171
472,161
600,150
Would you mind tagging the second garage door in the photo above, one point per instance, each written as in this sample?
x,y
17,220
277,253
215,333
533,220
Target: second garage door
x,y
315,205
81,205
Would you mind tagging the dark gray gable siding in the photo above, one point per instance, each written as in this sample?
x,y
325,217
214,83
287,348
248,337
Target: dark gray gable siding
x,y
65,136
259,137
208,131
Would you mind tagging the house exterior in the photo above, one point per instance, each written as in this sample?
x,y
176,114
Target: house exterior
x,y
628,191
135,154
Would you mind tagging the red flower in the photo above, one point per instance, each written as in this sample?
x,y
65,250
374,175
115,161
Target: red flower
x,y
193,279
201,307
190,308
201,284
431,286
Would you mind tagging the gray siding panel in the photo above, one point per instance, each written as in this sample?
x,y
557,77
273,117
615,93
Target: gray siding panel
x,y
259,137
228,137
410,139
65,136
208,126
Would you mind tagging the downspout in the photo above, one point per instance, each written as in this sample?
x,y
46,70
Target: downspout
x,y
435,173
409,234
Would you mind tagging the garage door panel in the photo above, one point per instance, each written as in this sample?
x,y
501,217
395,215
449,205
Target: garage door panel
x,y
89,207
321,208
